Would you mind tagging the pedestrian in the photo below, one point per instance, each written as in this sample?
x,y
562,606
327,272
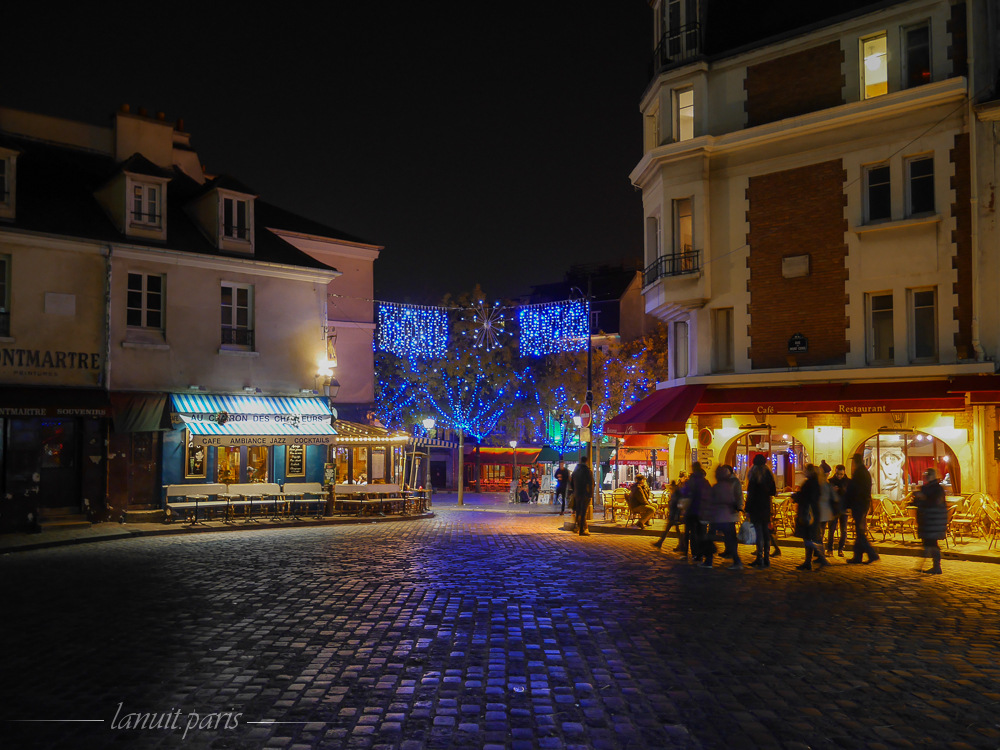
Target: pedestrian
x,y
676,507
932,518
760,493
809,498
699,495
638,502
562,483
581,486
859,498
839,483
725,504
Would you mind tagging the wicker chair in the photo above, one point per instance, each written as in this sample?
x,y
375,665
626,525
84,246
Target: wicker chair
x,y
970,517
893,519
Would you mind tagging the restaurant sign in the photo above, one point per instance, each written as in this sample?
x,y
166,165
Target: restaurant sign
x,y
262,440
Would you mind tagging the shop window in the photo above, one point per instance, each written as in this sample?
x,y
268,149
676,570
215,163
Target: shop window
x,y
680,349
194,460
920,185
786,456
723,349
684,114
897,461
916,56
228,464
880,333
257,464
237,316
378,465
5,263
144,301
361,472
878,203
923,325
340,461
874,67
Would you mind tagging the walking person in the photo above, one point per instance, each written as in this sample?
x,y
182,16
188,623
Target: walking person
x,y
562,483
581,486
808,523
725,504
932,519
760,493
676,506
859,498
838,482
699,495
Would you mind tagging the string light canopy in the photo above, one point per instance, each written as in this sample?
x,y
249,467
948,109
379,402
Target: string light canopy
x,y
412,330
554,327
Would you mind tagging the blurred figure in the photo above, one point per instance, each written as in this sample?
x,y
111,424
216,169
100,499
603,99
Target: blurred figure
x,y
760,492
638,500
839,484
725,504
859,498
562,484
932,518
808,522
581,485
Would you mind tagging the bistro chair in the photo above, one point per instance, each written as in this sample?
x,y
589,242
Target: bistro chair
x,y
969,518
893,519
991,519
616,502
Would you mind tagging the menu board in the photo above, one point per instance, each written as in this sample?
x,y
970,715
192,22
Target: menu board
x,y
295,461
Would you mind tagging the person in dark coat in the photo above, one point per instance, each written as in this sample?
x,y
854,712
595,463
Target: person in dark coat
x,y
581,485
699,496
638,501
859,498
562,483
807,524
838,482
932,518
760,492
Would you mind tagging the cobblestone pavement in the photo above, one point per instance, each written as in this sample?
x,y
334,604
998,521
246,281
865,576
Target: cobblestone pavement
x,y
486,630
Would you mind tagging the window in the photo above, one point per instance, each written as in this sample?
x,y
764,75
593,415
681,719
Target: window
x,y
923,325
653,238
146,204
4,189
684,105
653,130
880,335
916,56
235,218
879,203
679,27
875,67
144,301
680,349
4,295
237,315
683,260
722,340
920,182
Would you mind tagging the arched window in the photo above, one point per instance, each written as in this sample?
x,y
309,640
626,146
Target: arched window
x,y
897,460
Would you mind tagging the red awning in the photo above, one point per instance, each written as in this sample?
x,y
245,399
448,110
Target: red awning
x,y
496,453
982,389
665,411
851,399
650,442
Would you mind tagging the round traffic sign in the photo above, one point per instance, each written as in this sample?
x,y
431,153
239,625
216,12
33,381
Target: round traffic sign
x,y
585,415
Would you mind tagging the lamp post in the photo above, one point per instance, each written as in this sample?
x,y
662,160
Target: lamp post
x,y
513,471
428,424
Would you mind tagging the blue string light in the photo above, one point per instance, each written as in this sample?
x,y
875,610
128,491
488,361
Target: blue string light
x,y
412,331
553,327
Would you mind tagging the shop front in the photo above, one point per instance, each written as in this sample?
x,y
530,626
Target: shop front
x,y
52,454
497,467
365,454
246,439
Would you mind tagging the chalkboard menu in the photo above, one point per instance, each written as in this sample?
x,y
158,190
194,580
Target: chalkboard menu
x,y
295,461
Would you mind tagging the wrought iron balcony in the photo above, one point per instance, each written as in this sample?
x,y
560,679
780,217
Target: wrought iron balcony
x,y
677,46
675,264
237,337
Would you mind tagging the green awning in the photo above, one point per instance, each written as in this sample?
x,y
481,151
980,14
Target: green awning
x,y
140,412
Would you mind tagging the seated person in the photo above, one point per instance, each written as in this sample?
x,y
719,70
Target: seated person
x,y
638,500
533,488
522,493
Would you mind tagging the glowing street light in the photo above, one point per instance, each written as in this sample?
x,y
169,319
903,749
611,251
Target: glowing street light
x,y
513,471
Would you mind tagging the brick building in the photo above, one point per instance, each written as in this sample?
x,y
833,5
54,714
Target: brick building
x,y
817,186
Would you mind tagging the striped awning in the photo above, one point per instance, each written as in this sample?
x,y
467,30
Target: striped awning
x,y
422,442
254,420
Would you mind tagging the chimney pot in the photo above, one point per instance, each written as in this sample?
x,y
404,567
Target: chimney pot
x,y
143,112
180,124
160,116
126,108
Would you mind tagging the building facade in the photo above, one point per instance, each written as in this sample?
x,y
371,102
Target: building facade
x,y
820,238
161,325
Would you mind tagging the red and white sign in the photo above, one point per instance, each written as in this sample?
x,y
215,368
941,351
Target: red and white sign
x,y
586,415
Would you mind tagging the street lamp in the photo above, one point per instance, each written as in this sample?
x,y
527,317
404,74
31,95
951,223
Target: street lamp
x,y
428,424
513,471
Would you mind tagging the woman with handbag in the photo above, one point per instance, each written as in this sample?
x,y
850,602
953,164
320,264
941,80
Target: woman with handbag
x,y
807,522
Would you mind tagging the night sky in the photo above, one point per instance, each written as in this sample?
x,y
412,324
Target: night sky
x,y
477,143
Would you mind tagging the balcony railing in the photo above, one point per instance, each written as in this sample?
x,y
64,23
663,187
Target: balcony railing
x,y
677,46
675,264
237,337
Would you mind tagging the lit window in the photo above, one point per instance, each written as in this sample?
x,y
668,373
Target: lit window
x,y
916,56
923,329
875,67
683,260
685,114
722,340
879,203
146,204
144,303
920,182
880,334
237,316
236,218
680,349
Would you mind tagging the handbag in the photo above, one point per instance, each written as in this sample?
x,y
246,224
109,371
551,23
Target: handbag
x,y
747,533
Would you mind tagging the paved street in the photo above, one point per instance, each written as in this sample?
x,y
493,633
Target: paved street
x,y
486,630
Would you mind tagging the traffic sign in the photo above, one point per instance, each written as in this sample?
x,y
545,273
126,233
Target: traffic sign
x,y
585,415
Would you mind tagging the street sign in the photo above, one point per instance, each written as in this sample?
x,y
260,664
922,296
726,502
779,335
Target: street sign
x,y
585,415
584,435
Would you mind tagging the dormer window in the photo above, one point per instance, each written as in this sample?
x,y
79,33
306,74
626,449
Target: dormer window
x,y
236,219
146,199
7,183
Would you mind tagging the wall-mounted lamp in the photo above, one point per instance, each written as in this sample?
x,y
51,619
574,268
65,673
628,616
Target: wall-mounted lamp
x,y
332,388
